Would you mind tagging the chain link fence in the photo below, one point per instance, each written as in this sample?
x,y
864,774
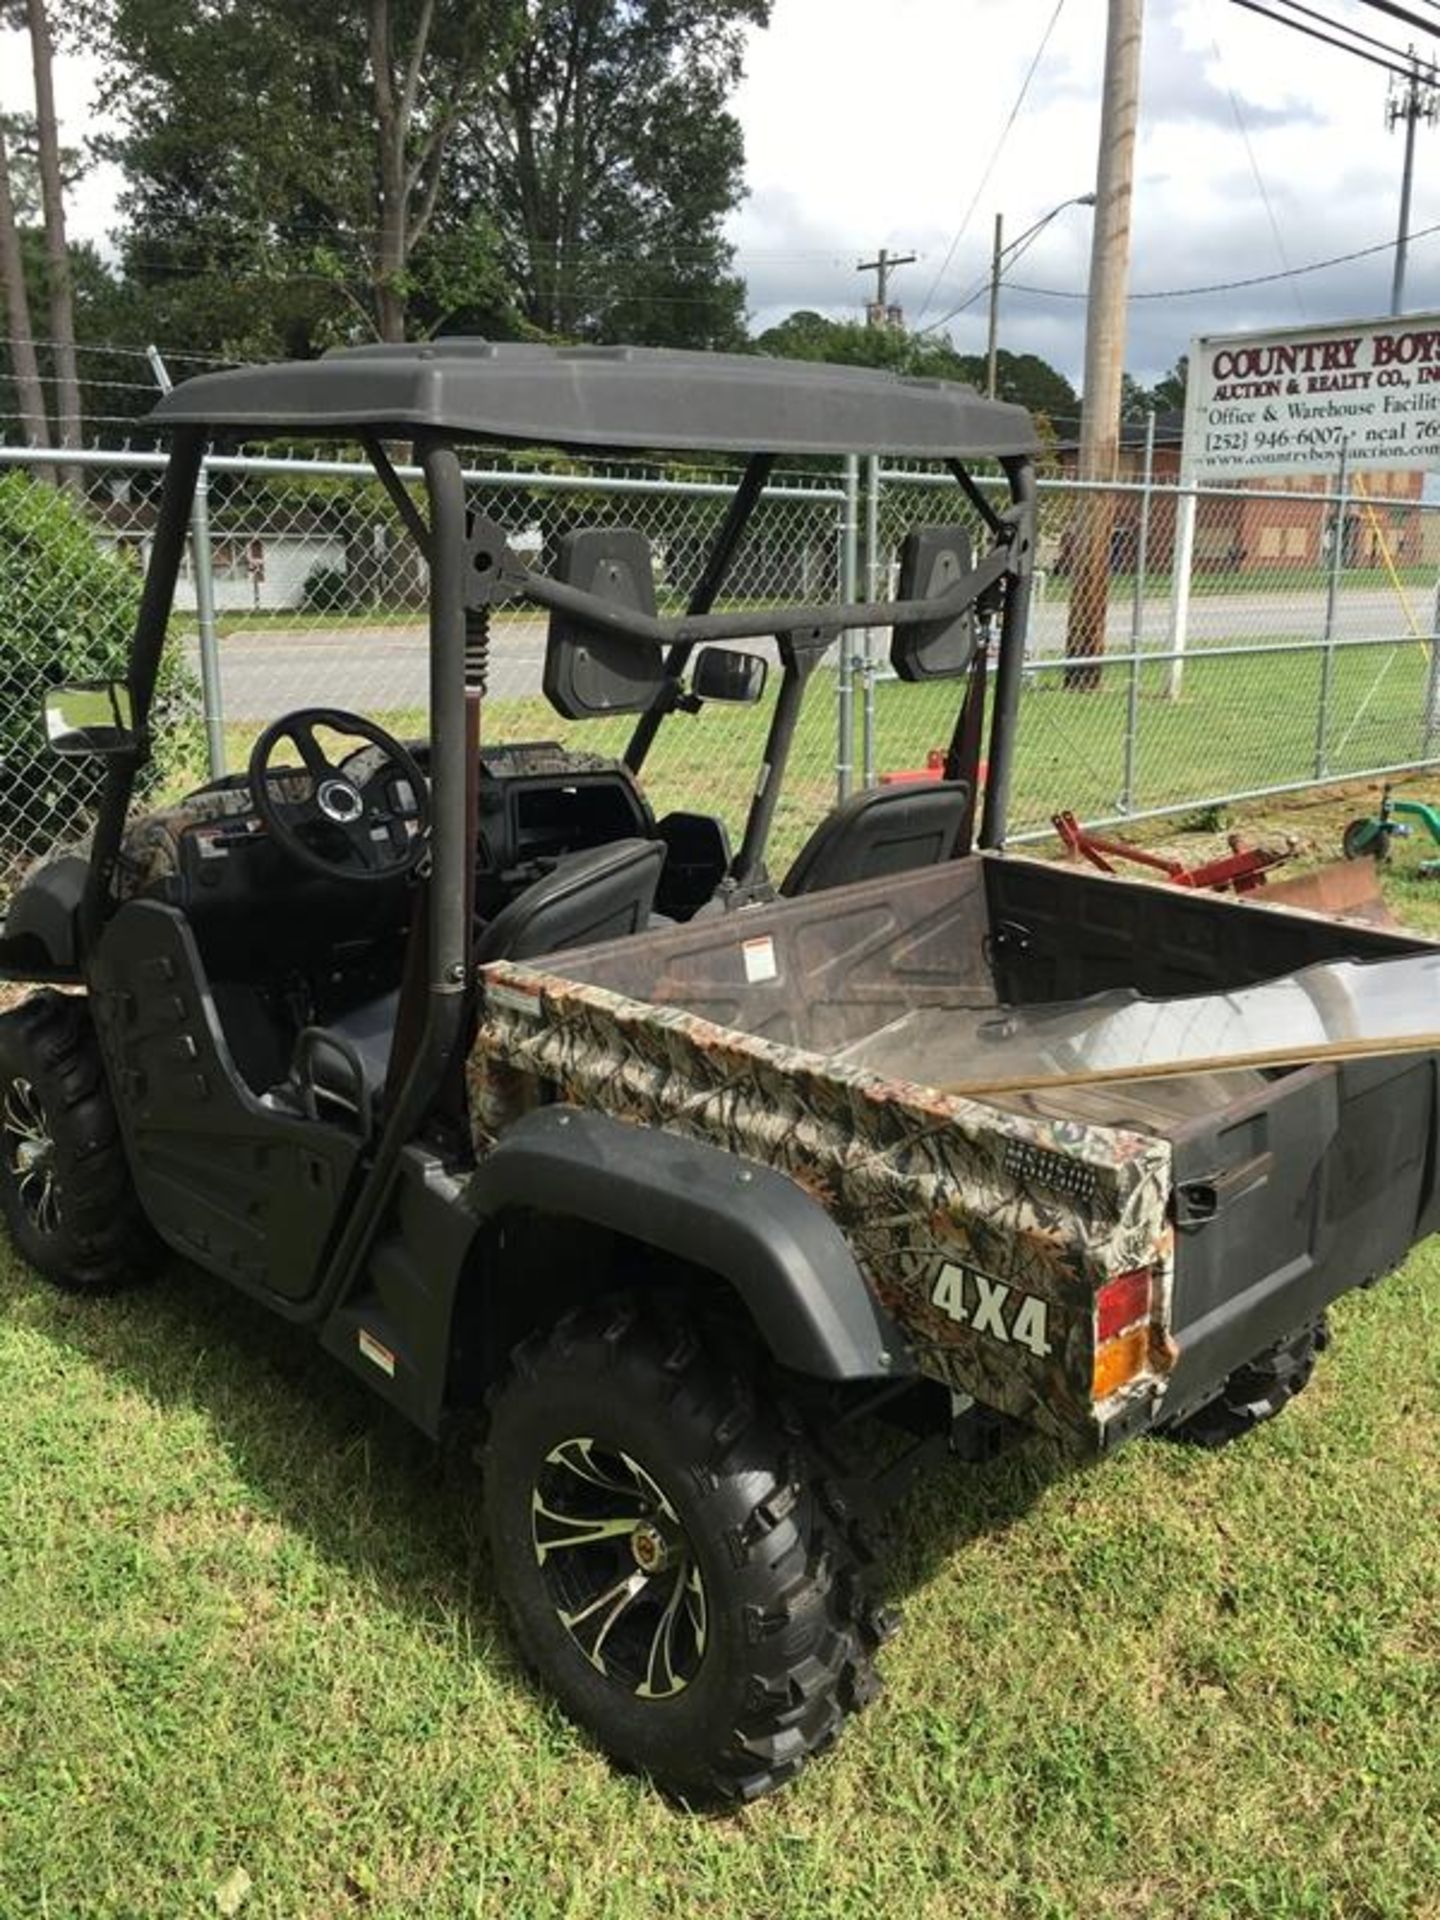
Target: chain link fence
x,y
1299,650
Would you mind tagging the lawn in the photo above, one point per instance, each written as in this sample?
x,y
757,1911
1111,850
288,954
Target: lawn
x,y
250,1660
1240,723
249,1641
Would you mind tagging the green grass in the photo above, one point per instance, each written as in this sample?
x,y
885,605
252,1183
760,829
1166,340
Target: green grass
x,y
246,1625
1239,724
1259,579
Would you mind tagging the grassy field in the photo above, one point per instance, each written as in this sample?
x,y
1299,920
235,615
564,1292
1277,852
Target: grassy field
x,y
1239,723
249,1642
250,1659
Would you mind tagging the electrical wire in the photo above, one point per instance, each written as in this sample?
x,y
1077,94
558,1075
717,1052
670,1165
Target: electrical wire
x,y
1313,33
1021,247
1244,133
1400,13
994,159
1343,26
1230,286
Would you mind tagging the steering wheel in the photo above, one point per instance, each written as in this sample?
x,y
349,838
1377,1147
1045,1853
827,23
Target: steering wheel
x,y
377,825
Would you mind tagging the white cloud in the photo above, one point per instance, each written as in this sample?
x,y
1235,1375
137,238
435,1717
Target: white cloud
x,y
868,127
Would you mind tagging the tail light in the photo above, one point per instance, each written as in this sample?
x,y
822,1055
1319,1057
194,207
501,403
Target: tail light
x,y
1122,1331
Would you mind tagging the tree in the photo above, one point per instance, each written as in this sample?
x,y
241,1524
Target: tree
x,y
57,255
30,395
1166,396
322,170
1024,378
609,161
302,150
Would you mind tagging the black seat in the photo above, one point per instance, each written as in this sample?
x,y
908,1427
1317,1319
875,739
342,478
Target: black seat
x,y
344,1063
884,830
597,895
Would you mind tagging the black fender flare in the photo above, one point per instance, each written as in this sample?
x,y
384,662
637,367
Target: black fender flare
x,y
39,938
753,1227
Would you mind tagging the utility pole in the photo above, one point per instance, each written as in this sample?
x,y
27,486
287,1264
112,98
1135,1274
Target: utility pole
x,y
879,312
1105,338
1414,99
995,254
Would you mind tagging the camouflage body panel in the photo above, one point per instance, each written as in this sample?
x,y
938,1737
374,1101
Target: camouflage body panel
x,y
528,758
917,1180
150,850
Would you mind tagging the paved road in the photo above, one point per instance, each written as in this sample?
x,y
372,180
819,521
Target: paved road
x,y
384,668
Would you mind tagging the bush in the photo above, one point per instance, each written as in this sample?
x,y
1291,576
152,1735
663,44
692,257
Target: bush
x,y
67,612
326,590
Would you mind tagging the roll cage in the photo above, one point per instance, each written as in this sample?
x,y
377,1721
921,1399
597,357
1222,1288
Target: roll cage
x,y
438,399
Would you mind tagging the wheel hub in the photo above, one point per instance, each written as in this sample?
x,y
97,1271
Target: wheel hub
x,y
651,1549
32,1155
619,1569
27,1151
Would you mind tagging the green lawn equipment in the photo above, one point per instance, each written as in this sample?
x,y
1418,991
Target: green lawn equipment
x,y
1370,836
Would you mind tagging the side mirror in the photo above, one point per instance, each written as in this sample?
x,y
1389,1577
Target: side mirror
x,y
91,717
721,674
932,561
589,673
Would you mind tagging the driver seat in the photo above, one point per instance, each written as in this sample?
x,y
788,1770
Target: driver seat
x,y
601,894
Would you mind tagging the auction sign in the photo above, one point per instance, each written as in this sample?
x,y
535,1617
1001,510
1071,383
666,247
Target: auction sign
x,y
1291,400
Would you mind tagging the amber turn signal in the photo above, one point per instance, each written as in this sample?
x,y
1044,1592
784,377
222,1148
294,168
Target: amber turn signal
x,y
1120,1360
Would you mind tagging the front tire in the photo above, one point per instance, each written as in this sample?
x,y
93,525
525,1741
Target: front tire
x,y
660,1534
65,1189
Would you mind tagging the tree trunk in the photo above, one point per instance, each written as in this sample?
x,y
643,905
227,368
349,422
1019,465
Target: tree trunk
x,y
394,115
31,395
57,253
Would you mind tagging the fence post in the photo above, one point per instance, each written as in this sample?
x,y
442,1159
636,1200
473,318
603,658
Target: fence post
x,y
872,592
201,560
1182,561
845,685
1137,620
1432,683
1332,592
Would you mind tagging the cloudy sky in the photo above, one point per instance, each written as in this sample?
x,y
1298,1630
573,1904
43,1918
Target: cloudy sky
x,y
870,125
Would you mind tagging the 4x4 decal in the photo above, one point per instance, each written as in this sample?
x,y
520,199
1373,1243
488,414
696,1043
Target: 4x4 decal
x,y
972,1299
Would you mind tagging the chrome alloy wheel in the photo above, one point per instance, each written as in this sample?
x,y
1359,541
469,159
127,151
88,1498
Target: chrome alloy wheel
x,y
619,1568
28,1153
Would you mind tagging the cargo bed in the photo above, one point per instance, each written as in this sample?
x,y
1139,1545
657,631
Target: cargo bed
x,y
1089,1259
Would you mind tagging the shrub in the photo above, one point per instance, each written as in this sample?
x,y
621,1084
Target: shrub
x,y
327,590
67,612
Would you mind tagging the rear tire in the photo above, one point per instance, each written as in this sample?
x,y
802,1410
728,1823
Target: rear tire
x,y
65,1189
675,1568
1257,1391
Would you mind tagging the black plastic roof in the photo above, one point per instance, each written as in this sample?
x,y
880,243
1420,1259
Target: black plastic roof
x,y
608,397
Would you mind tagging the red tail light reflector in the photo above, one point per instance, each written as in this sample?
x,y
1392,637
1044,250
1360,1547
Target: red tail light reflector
x,y
1120,1303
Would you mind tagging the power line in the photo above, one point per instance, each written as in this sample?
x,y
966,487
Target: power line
x,y
1401,13
1230,286
1313,33
1244,133
1343,26
993,161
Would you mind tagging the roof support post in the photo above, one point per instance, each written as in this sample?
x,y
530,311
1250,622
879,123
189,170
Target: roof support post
x,y
1013,621
151,624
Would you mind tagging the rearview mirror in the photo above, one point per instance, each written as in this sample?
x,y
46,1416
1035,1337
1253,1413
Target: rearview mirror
x,y
722,674
933,561
90,717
